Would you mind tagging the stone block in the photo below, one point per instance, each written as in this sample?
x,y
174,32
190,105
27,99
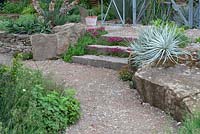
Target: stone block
x,y
44,46
176,90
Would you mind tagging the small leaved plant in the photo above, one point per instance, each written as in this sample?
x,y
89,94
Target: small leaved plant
x,y
157,46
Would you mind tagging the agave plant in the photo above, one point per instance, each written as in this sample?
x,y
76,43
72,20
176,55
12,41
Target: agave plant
x,y
157,46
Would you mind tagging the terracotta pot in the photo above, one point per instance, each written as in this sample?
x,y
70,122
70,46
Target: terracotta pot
x,y
91,20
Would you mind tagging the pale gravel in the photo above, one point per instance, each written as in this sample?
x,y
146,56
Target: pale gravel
x,y
108,105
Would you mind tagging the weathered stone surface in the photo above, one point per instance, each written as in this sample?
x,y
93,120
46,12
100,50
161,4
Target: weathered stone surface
x,y
13,43
68,34
5,59
44,46
193,33
112,50
62,38
101,61
175,90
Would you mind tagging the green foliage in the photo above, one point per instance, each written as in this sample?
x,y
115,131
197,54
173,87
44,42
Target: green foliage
x,y
191,124
4,24
125,74
28,24
179,30
24,56
10,7
28,10
157,46
31,104
14,7
78,48
197,40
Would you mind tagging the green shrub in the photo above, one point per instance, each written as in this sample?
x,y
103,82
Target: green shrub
x,y
78,48
31,104
197,40
4,24
179,30
191,124
10,7
157,46
28,24
125,74
28,10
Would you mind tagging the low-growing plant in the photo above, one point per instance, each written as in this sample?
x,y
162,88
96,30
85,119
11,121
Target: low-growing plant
x,y
197,40
28,24
179,30
28,10
126,74
29,106
78,48
11,7
191,124
4,24
157,46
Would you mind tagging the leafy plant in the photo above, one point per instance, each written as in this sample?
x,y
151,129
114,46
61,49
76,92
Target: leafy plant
x,y
179,30
4,24
28,10
78,48
28,24
31,104
157,46
126,74
191,124
10,7
197,40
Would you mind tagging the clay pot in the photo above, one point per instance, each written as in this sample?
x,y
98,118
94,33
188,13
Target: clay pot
x,y
91,20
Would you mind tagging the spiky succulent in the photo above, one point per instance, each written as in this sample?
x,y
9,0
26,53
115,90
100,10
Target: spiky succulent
x,y
157,45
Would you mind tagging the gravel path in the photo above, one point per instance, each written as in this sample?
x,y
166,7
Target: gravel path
x,y
108,105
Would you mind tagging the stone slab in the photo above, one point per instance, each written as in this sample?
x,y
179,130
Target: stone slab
x,y
176,90
102,49
101,61
44,46
5,59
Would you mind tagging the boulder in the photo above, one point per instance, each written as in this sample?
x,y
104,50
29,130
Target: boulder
x,y
175,90
68,34
44,46
50,46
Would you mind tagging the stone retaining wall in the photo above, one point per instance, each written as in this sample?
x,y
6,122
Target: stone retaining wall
x,y
13,43
175,90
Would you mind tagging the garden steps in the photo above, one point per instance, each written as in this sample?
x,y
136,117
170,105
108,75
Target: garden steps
x,y
101,61
5,59
119,37
120,51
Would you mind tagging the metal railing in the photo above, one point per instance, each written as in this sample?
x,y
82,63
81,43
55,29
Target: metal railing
x,y
187,21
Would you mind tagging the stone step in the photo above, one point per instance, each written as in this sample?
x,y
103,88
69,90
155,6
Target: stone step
x,y
118,37
101,61
5,59
109,50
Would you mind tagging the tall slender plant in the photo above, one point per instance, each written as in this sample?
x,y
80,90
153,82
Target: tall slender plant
x,y
64,8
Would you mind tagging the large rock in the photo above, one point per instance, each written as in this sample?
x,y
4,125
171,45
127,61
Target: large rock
x,y
68,34
52,45
5,59
44,46
175,90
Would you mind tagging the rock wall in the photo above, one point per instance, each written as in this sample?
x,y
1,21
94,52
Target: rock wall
x,y
43,46
13,43
175,90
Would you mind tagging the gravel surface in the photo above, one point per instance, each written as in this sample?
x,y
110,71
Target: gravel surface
x,y
108,105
